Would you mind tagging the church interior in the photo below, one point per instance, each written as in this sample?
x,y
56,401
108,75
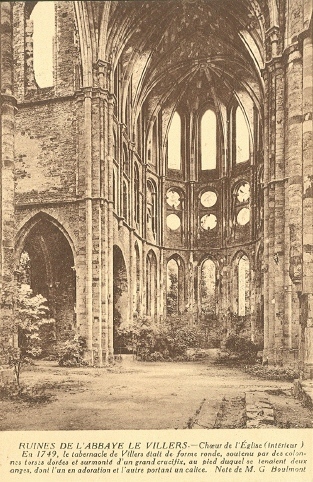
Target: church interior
x,y
156,161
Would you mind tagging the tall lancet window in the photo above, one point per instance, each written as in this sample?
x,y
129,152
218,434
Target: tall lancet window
x,y
43,19
243,286
242,150
174,143
208,141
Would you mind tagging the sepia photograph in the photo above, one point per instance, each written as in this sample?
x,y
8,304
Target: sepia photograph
x,y
156,237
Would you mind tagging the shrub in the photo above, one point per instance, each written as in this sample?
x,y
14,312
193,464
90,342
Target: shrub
x,y
241,348
273,373
30,394
155,356
70,353
30,316
167,341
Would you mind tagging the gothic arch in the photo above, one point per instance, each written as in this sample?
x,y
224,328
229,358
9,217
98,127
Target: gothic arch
x,y
151,284
31,222
121,292
51,269
175,285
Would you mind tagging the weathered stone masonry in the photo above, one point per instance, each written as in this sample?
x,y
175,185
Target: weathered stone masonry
x,y
89,191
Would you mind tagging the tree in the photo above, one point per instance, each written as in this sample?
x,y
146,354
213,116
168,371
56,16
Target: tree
x,y
172,293
29,313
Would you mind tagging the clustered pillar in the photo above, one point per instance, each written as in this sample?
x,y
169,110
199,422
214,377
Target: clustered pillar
x,y
7,112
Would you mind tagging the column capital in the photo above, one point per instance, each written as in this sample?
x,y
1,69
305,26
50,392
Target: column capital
x,y
273,42
102,69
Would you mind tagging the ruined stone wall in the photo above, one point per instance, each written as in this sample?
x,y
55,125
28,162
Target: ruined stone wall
x,y
45,152
64,159
47,163
7,111
288,218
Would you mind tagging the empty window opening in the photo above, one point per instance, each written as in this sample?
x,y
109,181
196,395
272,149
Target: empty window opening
x,y
173,222
115,204
208,199
138,280
172,287
151,284
208,222
208,288
125,201
125,161
242,137
43,18
121,313
243,285
173,199
242,203
208,141
136,195
174,143
151,208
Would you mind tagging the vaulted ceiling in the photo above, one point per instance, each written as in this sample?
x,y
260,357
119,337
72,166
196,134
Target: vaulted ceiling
x,y
167,45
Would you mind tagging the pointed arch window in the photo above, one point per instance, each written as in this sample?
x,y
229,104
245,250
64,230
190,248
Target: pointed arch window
x,y
136,194
175,286
208,140
151,208
172,287
138,279
151,284
115,146
174,143
243,285
208,287
125,201
114,182
242,143
43,18
125,160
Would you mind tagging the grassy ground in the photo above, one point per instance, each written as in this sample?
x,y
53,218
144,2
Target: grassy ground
x,y
134,395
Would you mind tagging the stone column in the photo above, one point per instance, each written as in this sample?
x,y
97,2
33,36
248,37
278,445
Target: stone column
x,y
7,111
307,205
110,222
294,188
274,202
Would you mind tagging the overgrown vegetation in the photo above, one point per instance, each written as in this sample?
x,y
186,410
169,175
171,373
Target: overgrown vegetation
x,y
30,318
238,347
273,373
30,314
241,348
169,340
70,353
31,395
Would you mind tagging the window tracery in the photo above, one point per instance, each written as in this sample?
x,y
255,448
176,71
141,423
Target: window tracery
x,y
207,211
174,204
242,203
